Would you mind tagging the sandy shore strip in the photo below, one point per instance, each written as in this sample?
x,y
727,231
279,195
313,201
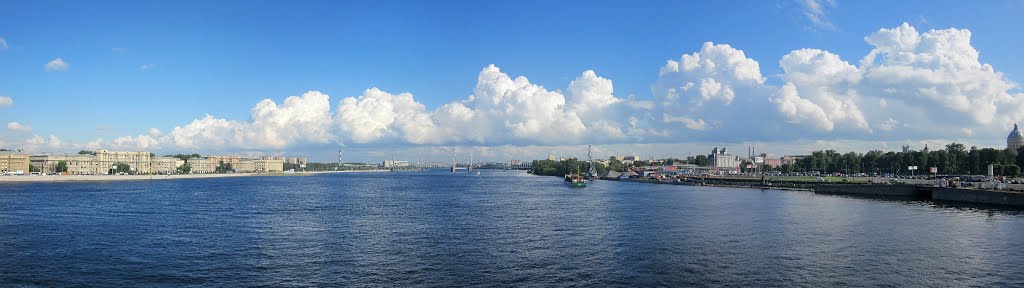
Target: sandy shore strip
x,y
67,178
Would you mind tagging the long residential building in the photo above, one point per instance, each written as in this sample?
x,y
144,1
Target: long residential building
x,y
268,165
77,164
209,164
138,162
105,162
203,165
13,163
166,165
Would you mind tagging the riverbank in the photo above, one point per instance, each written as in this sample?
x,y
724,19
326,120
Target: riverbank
x,y
81,178
896,191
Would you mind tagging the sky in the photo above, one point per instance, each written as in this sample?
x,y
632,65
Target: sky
x,y
421,80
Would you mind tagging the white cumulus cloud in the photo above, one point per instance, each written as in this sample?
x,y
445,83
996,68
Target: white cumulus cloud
x,y
501,110
6,101
299,119
18,127
56,65
708,91
824,80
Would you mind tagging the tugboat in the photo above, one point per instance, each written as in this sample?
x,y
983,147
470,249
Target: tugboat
x,y
575,180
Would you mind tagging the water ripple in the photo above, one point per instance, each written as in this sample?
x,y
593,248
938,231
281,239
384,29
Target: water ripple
x,y
497,229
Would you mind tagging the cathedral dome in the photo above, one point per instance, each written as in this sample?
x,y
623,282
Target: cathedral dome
x,y
1015,140
1015,135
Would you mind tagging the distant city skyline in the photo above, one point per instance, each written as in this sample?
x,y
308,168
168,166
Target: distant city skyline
x,y
514,80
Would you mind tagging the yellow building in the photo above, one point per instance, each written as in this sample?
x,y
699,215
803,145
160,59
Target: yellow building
x,y
203,165
245,166
13,163
233,160
269,165
166,165
139,162
77,164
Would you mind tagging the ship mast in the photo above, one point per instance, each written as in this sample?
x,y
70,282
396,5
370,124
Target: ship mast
x,y
590,159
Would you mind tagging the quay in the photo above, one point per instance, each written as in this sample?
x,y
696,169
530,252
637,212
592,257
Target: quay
x,y
899,191
927,192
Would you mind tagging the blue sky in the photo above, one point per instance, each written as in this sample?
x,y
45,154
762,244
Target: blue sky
x,y
165,63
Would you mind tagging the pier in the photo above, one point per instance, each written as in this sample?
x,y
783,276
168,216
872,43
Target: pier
x,y
898,191
927,192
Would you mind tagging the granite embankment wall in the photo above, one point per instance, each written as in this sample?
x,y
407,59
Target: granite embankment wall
x,y
962,195
895,191
874,190
977,196
742,183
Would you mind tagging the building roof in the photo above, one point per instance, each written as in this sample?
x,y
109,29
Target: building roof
x,y
1015,135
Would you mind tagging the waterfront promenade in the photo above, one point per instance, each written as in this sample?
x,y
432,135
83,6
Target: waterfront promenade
x,y
1007,195
80,178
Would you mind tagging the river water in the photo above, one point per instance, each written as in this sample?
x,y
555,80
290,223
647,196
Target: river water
x,y
495,229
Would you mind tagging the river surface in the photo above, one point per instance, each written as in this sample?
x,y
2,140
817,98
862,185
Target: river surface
x,y
495,229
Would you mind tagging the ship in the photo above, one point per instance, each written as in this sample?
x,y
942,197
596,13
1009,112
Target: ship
x,y
575,180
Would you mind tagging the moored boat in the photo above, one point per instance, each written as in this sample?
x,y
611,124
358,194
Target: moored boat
x,y
575,180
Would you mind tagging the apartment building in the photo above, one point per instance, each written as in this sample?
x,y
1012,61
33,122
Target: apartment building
x,y
13,163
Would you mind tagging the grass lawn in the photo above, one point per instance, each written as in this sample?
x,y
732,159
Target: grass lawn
x,y
815,179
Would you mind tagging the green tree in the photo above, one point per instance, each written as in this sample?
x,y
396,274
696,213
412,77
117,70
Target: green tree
x,y
1007,156
224,167
1019,159
122,168
62,166
185,169
956,157
87,152
33,168
615,164
974,162
185,156
560,168
997,169
641,163
701,160
1011,170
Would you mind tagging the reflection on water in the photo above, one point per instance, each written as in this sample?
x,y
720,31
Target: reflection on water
x,y
499,228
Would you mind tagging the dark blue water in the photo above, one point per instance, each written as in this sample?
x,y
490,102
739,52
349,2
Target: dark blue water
x,y
496,229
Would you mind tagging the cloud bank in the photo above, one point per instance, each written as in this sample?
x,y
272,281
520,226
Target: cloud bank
x,y
911,85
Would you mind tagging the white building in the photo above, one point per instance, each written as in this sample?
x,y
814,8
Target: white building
x,y
395,163
722,159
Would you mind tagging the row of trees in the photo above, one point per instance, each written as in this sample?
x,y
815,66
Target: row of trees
x,y
568,166
954,159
